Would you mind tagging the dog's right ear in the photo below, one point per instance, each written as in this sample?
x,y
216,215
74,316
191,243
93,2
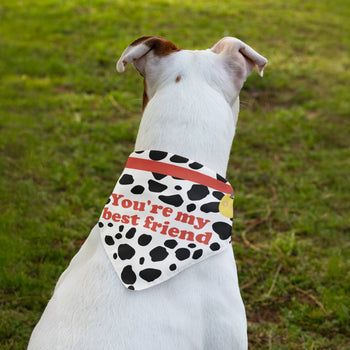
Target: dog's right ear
x,y
235,50
144,49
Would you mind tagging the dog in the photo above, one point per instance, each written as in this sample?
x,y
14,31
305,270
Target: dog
x,y
171,298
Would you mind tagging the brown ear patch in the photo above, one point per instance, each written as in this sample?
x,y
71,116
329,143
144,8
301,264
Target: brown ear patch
x,y
144,97
159,46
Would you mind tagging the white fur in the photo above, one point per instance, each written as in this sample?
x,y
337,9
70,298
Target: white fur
x,y
190,117
201,308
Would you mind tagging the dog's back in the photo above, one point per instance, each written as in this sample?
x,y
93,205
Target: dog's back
x,y
201,308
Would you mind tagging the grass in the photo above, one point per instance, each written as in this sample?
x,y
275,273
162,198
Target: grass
x,y
68,122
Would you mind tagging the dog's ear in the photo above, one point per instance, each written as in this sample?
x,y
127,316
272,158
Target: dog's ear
x,y
235,49
138,51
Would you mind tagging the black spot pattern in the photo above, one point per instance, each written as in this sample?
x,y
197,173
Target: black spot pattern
x,y
131,233
212,207
178,188
109,240
182,253
197,254
191,245
175,200
218,195
125,251
144,240
191,207
222,229
142,260
157,155
220,178
128,275
158,254
170,243
172,267
195,166
118,236
100,225
110,224
137,189
214,246
150,275
155,186
178,159
126,179
115,256
197,192
158,176
108,200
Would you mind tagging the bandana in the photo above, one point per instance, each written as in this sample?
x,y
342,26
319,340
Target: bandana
x,y
165,214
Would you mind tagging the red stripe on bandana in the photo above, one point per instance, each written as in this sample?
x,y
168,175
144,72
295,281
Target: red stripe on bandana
x,y
177,171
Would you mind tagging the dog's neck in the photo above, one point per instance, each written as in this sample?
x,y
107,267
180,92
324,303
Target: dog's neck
x,y
200,128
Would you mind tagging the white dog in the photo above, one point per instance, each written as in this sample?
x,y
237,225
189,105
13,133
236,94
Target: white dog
x,y
104,300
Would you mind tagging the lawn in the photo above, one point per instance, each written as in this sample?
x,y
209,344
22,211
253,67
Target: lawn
x,y
68,122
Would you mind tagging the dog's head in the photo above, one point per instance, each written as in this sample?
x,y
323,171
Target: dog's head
x,y
224,67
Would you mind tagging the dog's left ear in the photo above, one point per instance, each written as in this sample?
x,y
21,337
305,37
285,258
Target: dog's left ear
x,y
237,51
139,51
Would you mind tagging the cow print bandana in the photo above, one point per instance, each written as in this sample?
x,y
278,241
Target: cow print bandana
x,y
165,214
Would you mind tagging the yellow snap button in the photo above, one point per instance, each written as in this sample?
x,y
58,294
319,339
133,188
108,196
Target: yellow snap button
x,y
226,205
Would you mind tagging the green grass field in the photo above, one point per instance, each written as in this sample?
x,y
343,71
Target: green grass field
x,y
68,122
